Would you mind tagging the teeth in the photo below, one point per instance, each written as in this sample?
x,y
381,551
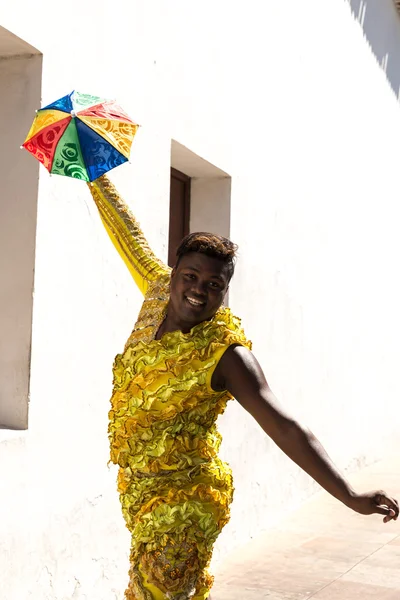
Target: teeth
x,y
195,302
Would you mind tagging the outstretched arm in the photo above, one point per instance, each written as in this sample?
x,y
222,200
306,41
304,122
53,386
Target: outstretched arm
x,y
240,373
126,234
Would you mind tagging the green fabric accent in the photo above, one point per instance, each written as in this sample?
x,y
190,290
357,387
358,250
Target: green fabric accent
x,y
82,101
68,159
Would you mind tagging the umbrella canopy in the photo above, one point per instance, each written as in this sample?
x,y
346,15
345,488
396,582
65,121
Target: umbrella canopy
x,y
81,136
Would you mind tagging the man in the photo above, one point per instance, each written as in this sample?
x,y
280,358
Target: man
x,y
186,357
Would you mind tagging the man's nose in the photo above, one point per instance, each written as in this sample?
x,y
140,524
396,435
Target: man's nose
x,y
199,288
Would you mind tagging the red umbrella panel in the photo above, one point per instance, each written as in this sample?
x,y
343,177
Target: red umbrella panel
x,y
81,136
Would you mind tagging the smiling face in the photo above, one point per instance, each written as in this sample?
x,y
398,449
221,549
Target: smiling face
x,y
198,287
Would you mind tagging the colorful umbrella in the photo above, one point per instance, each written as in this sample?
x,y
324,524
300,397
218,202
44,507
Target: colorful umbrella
x,y
81,136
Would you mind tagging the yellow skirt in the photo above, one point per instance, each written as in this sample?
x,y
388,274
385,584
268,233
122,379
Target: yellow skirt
x,y
174,519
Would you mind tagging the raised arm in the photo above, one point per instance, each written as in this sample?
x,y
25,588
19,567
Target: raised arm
x,y
240,373
126,234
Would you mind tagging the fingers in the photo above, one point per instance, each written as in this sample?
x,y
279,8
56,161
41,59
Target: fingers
x,y
385,510
383,499
395,506
391,515
386,506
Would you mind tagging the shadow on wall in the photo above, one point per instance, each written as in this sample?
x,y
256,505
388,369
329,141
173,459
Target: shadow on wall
x,y
380,21
20,85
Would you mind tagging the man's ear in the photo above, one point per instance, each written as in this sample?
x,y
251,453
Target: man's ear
x,y
173,271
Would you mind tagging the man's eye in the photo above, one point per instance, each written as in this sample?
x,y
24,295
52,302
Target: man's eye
x,y
189,276
214,285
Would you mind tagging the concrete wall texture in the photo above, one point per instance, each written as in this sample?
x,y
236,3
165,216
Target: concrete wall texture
x,y
290,101
20,80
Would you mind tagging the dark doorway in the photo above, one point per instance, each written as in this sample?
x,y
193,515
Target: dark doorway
x,y
179,212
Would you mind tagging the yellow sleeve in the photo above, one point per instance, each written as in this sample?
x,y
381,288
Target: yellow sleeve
x,y
126,234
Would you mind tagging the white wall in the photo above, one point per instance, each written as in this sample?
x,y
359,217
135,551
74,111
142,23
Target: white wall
x,y
289,100
210,208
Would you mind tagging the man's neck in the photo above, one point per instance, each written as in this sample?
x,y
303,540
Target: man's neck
x,y
172,323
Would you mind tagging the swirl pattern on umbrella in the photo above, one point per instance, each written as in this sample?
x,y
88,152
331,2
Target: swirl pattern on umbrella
x,y
81,136
117,133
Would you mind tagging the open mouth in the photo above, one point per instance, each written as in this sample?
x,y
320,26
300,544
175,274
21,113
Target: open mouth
x,y
195,303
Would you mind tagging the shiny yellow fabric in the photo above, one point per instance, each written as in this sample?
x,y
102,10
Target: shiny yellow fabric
x,y
175,492
125,233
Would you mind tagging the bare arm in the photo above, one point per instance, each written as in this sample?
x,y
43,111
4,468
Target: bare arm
x,y
240,373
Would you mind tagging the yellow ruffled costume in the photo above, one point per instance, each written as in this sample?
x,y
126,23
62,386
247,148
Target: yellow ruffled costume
x,y
175,491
